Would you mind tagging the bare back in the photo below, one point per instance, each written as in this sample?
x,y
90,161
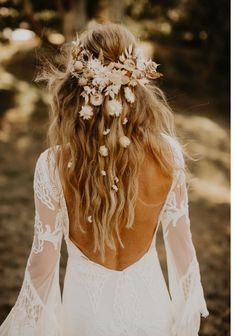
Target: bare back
x,y
153,187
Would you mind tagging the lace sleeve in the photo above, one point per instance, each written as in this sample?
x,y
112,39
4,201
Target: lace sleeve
x,y
185,287
37,309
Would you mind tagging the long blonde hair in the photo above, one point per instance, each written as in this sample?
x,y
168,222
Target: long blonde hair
x,y
148,117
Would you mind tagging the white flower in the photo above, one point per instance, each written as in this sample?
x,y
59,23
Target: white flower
x,y
124,141
129,95
103,150
103,172
114,107
96,99
90,219
86,112
69,165
95,65
112,90
106,131
100,79
125,121
114,187
116,179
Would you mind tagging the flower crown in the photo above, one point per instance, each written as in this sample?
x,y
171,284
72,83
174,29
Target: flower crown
x,y
99,81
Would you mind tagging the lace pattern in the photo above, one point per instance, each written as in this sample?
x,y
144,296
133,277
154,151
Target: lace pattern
x,y
183,269
44,232
45,187
27,309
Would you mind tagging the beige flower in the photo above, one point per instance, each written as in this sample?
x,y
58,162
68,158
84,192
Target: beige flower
x,y
114,187
116,179
96,99
114,107
90,220
88,73
125,121
129,95
86,112
124,141
78,66
150,70
106,131
129,64
83,81
103,150
118,77
69,165
103,172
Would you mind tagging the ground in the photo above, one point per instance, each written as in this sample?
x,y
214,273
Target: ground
x,y
200,122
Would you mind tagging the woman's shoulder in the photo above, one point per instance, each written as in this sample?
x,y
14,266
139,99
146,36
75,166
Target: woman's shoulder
x,y
46,173
175,149
46,161
48,156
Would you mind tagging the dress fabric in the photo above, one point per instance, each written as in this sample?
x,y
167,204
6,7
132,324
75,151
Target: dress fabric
x,y
101,301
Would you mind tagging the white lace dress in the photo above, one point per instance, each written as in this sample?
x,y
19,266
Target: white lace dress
x,y
98,301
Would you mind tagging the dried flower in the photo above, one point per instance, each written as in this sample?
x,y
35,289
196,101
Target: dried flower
x,y
103,172
86,112
78,66
129,95
83,81
116,179
125,121
129,65
151,70
96,99
90,219
114,107
106,131
114,187
69,165
103,150
124,141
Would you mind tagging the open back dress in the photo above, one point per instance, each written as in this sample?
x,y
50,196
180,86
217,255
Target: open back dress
x,y
96,300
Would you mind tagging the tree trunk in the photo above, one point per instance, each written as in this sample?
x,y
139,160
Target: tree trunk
x,y
116,10
35,25
109,10
74,17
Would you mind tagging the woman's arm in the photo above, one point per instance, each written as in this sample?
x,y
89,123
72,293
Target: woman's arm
x,y
183,269
37,308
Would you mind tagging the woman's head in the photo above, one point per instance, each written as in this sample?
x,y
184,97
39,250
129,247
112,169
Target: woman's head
x,y
111,38
101,179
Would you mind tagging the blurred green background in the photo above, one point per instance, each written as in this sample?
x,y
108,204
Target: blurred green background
x,y
190,39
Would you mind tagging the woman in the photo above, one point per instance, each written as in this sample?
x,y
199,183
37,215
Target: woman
x,y
112,174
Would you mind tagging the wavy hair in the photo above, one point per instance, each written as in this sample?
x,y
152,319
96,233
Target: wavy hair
x,y
79,140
